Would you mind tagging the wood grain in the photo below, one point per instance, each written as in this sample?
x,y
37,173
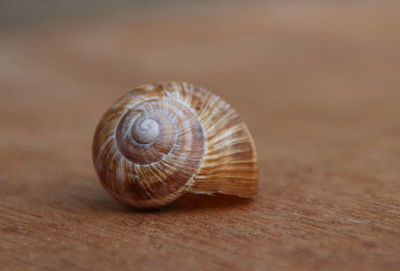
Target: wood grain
x,y
318,86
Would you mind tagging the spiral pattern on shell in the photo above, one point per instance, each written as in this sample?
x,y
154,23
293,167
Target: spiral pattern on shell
x,y
162,140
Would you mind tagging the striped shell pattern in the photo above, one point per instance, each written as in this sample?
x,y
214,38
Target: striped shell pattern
x,y
162,140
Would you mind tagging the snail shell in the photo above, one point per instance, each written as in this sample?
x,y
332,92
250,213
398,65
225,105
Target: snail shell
x,y
163,140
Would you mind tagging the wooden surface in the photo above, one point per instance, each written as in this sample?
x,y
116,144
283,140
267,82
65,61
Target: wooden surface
x,y
318,85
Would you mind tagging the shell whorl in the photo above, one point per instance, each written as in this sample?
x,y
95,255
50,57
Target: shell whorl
x,y
152,130
162,140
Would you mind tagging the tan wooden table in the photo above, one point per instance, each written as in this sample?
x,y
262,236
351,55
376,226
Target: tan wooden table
x,y
318,85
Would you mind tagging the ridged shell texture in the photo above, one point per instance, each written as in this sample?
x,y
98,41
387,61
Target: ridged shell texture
x,y
163,140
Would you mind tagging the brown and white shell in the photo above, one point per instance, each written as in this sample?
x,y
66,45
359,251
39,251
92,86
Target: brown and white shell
x,y
163,140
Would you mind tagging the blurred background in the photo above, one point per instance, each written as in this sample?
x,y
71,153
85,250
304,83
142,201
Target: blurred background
x,y
292,69
317,82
